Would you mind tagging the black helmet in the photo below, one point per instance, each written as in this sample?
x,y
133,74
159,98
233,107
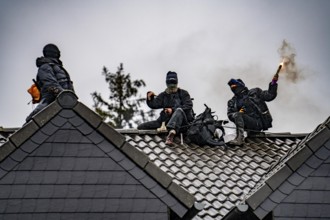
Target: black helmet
x,y
51,51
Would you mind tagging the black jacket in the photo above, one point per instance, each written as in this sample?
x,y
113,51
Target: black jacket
x,y
253,102
52,78
180,99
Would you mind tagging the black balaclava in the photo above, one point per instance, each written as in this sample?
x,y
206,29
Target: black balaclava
x,y
51,51
237,86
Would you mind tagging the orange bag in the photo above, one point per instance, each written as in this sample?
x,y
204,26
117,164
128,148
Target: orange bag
x,y
35,93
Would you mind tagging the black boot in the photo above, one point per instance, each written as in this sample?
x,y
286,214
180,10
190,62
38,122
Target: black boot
x,y
239,140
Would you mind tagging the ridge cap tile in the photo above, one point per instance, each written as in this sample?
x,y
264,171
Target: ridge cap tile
x,y
67,99
296,160
183,195
136,155
21,135
162,177
277,178
259,196
315,142
87,114
111,135
47,114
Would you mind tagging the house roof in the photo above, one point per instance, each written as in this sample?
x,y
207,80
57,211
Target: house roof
x,y
67,136
290,180
218,177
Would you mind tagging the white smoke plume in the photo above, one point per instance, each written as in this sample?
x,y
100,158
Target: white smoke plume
x,y
289,66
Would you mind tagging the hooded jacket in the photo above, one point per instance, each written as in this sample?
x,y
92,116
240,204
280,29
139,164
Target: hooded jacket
x,y
52,78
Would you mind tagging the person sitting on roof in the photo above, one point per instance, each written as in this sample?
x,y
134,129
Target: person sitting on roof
x,y
176,104
248,109
52,78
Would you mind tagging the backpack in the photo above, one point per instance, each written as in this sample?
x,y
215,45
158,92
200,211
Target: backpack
x,y
203,128
34,91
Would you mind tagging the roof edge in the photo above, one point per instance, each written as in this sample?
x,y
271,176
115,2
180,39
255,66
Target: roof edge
x,y
288,166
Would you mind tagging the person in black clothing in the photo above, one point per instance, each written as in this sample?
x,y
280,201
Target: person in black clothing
x,y
52,78
248,108
176,104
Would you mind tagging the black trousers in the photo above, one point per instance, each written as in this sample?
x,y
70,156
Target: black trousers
x,y
245,121
176,122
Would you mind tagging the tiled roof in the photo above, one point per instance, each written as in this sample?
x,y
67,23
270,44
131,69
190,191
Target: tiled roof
x,y
299,180
219,177
67,161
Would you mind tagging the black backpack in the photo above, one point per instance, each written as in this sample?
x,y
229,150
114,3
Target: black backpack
x,y
201,130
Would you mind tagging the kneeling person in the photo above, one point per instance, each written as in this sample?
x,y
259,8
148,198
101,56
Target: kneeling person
x,y
176,104
248,108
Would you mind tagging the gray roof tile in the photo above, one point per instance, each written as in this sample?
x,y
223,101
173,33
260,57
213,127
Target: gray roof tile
x,y
305,170
296,179
314,162
268,205
6,149
49,129
29,146
322,171
277,196
8,164
18,155
323,153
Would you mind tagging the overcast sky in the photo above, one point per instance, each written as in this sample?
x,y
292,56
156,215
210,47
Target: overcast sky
x,y
206,42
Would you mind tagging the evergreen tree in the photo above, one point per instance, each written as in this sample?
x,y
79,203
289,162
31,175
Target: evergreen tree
x,y
124,107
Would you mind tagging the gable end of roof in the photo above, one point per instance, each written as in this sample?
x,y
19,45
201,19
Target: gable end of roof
x,y
66,106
